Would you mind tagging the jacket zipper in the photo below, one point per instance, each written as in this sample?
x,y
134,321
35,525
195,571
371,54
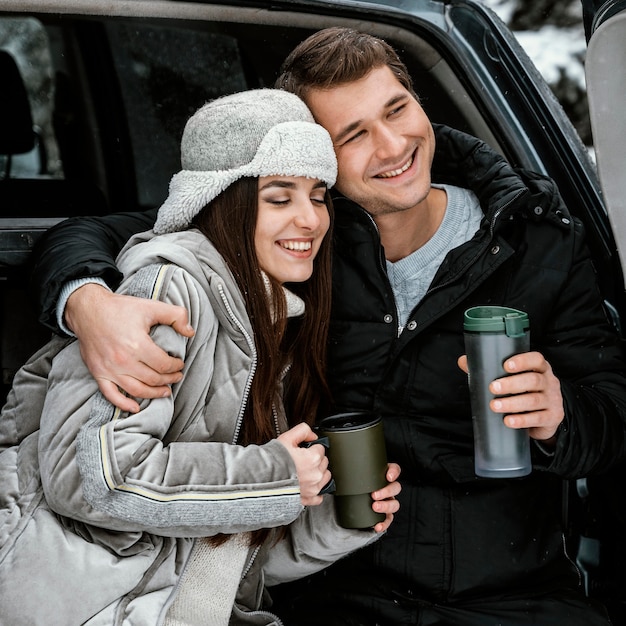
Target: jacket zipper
x,y
274,411
499,211
253,367
246,394
269,615
382,263
242,408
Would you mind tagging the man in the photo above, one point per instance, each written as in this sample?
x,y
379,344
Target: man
x,y
429,222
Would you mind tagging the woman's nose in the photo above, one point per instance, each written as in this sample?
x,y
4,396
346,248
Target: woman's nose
x,y
308,215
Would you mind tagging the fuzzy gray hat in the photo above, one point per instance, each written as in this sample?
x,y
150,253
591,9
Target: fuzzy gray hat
x,y
261,132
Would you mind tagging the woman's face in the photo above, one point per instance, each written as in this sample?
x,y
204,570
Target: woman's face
x,y
291,223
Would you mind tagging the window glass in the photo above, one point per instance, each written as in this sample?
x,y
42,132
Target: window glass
x,y
27,41
165,74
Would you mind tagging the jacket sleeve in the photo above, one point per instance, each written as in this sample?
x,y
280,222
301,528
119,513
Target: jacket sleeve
x,y
315,540
77,248
132,472
588,358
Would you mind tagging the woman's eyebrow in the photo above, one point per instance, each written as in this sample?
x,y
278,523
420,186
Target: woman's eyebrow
x,y
278,183
286,184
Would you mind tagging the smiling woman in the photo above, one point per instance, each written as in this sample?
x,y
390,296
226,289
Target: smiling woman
x,y
214,473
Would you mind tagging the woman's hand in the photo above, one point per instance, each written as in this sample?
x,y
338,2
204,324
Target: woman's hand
x,y
311,463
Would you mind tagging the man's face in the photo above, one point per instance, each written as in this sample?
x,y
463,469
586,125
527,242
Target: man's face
x,y
383,140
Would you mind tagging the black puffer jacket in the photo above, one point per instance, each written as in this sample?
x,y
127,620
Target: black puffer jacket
x,y
457,540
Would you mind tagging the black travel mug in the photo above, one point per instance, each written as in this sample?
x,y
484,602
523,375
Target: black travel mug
x,y
357,459
492,335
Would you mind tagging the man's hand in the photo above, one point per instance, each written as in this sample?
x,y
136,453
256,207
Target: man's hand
x,y
113,332
530,397
385,498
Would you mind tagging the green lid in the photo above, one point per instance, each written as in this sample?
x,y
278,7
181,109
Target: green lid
x,y
499,319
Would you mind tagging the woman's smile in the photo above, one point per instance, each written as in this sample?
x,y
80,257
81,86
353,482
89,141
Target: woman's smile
x,y
293,245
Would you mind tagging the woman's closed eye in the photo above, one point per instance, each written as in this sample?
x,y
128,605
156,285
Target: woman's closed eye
x,y
278,201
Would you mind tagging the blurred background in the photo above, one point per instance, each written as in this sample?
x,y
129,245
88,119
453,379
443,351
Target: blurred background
x,y
553,35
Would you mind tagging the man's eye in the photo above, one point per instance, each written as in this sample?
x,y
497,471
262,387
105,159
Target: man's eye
x,y
353,137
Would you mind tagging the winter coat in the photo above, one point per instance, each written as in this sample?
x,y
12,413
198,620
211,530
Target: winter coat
x,y
460,540
99,509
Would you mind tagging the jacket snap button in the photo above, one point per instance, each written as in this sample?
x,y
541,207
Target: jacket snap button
x,y
495,250
538,210
565,220
411,325
388,318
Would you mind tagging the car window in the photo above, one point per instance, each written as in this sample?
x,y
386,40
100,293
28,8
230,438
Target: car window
x,y
162,74
165,74
28,44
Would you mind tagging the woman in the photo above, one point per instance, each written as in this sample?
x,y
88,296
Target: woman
x,y
182,512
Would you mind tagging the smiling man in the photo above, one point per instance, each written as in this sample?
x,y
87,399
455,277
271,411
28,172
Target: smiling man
x,y
386,144
429,222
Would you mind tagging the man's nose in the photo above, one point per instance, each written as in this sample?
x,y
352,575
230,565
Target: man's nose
x,y
388,143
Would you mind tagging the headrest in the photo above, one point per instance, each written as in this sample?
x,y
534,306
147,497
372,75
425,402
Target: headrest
x,y
16,122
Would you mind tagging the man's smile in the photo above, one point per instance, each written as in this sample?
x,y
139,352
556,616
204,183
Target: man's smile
x,y
398,171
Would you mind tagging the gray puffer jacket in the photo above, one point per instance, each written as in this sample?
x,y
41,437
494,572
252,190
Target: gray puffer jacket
x,y
99,509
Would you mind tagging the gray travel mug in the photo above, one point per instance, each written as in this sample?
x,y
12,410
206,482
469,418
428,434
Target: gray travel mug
x,y
492,335
357,459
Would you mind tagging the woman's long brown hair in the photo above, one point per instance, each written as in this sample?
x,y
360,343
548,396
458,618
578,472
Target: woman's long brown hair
x,y
229,222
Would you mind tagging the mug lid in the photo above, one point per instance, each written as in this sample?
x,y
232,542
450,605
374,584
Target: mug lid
x,y
353,420
501,319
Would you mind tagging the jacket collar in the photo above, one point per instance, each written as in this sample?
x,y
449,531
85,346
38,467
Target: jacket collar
x,y
468,162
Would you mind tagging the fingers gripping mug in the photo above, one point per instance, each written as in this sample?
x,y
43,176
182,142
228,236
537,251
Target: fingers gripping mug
x,y
358,462
492,335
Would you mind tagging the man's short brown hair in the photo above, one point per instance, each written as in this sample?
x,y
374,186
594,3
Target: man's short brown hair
x,y
336,56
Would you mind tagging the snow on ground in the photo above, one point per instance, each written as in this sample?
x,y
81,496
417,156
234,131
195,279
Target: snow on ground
x,y
553,49
550,48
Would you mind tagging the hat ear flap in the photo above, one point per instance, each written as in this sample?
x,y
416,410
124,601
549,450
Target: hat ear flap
x,y
189,193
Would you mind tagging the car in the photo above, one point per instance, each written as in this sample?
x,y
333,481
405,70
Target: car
x,y
95,96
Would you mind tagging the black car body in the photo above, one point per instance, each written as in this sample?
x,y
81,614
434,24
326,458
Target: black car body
x,y
109,85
